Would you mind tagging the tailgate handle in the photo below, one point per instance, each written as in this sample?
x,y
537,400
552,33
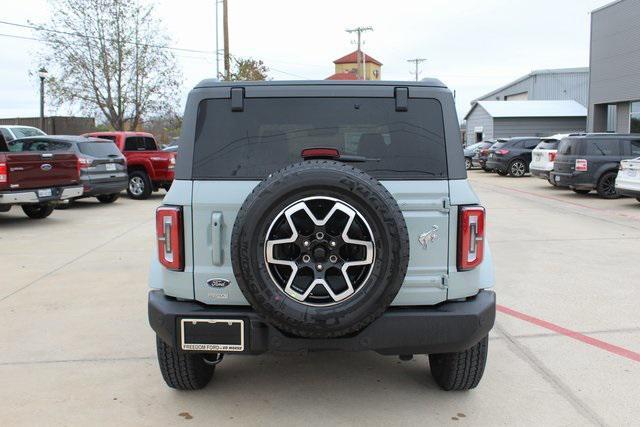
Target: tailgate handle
x,y
216,238
46,155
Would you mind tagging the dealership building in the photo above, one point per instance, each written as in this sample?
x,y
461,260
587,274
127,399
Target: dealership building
x,y
614,83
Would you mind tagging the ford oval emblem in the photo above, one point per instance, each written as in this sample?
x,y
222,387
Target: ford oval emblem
x,y
46,167
218,283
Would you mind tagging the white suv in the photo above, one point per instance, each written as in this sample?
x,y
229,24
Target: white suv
x,y
628,179
544,155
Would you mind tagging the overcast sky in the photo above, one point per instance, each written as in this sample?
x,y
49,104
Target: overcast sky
x,y
473,46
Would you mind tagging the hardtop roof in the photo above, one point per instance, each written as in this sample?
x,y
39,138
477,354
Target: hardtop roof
x,y
428,82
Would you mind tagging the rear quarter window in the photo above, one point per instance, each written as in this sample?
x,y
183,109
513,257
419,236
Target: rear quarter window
x,y
602,148
271,133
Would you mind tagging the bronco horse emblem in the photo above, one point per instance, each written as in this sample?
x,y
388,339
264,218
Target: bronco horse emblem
x,y
430,236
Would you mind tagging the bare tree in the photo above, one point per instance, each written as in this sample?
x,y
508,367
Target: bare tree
x,y
247,69
110,57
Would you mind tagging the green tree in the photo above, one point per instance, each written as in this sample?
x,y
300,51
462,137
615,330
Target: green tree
x,y
247,69
110,57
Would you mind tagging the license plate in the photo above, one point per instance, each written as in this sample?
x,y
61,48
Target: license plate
x,y
557,178
44,193
111,167
212,334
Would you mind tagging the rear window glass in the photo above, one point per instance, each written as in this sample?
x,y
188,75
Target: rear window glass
x,y
271,133
568,147
46,146
99,149
498,145
603,148
549,144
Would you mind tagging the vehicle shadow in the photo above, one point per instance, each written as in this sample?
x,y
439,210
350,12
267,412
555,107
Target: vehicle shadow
x,y
339,374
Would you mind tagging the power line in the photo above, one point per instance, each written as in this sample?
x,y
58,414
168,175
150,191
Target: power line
x,y
34,27
417,61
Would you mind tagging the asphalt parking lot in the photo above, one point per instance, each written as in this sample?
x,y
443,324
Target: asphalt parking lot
x,y
76,347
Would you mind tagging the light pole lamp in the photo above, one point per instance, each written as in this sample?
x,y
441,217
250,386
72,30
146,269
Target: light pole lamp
x,y
43,74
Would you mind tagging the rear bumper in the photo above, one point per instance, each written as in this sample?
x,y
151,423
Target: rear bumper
x,y
538,173
447,327
109,187
575,181
31,196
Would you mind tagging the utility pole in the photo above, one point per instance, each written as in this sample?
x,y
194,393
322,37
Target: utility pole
x,y
360,56
225,36
417,61
217,2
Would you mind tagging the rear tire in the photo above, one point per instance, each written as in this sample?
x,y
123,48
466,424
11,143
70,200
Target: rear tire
x,y
517,168
638,199
575,190
183,371
467,163
39,211
140,186
462,370
107,198
606,187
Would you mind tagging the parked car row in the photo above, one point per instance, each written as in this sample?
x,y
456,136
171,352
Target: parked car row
x,y
40,172
605,162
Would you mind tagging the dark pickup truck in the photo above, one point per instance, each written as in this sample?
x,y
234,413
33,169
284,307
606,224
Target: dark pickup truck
x,y
37,181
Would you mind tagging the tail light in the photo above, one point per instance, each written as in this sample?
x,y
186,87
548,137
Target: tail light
x,y
581,165
502,152
169,233
84,164
470,237
552,156
172,162
4,174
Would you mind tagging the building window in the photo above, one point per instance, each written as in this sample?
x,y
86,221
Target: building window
x,y
634,117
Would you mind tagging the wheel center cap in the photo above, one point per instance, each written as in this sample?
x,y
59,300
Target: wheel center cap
x,y
319,254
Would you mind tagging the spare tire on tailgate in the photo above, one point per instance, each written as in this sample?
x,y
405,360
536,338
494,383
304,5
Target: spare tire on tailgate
x,y
320,249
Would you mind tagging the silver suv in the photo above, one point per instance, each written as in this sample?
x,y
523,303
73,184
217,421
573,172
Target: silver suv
x,y
310,216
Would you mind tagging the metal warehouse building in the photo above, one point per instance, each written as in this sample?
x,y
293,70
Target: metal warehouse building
x,y
500,119
614,86
545,85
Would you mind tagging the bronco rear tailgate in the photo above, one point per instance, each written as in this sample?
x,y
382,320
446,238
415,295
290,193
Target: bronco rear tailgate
x,y
37,170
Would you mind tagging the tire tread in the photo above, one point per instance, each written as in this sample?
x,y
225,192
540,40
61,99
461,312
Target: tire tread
x,y
462,370
182,371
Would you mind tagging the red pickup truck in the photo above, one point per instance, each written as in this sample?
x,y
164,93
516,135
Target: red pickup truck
x,y
37,181
149,167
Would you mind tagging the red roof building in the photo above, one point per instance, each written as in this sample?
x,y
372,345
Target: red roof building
x,y
347,67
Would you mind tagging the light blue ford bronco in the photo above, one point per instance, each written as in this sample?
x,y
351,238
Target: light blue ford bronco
x,y
318,215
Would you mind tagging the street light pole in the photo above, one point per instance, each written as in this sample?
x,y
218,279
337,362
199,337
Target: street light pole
x,y
42,73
